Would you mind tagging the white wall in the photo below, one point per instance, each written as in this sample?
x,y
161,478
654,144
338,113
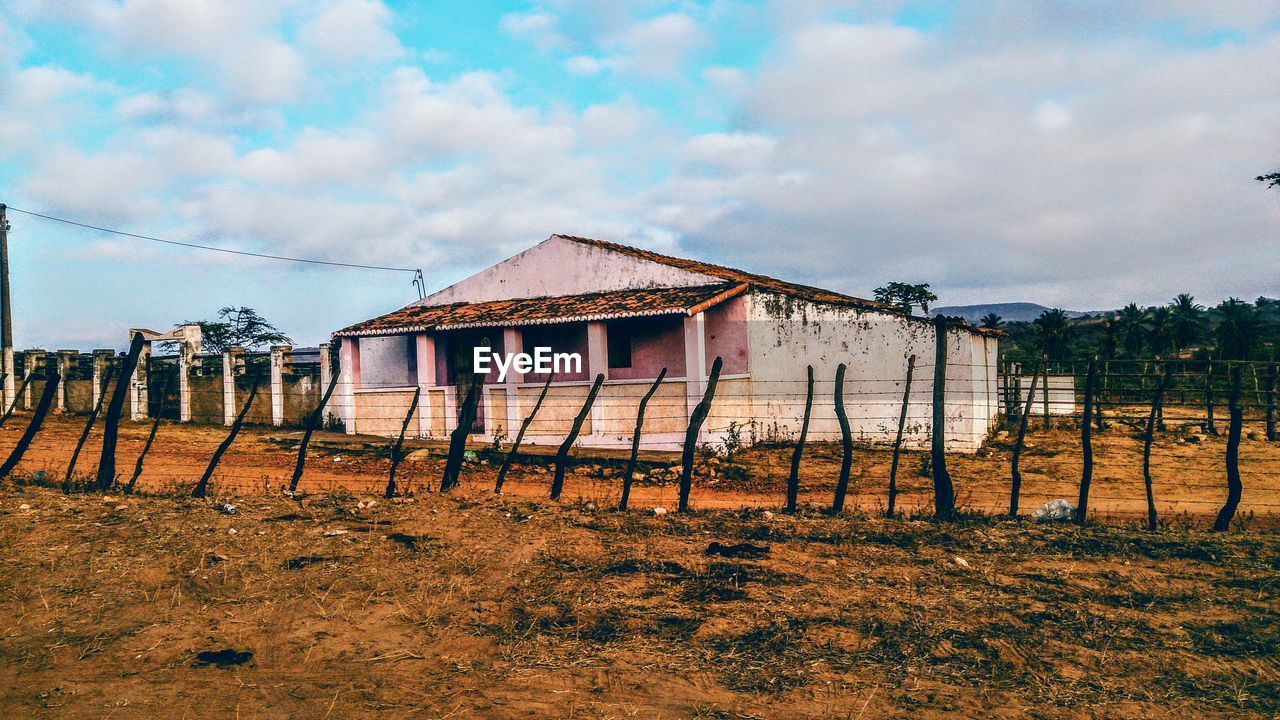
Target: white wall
x,y
557,266
787,334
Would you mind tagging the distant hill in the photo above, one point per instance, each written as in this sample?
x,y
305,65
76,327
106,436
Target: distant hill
x,y
1010,312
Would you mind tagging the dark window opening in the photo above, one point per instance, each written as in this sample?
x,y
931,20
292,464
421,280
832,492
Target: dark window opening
x,y
619,343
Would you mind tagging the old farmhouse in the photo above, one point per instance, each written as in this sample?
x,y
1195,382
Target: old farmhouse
x,y
630,313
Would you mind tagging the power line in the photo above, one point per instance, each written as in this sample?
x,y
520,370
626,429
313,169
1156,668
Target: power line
x,y
213,248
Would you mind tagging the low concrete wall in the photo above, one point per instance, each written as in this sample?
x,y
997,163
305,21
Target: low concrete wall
x,y
207,400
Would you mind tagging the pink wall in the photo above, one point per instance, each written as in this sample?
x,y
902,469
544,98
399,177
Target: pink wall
x,y
726,331
657,342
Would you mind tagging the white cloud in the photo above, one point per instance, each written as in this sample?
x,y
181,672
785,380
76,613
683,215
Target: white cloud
x,y
1051,115
537,27
349,30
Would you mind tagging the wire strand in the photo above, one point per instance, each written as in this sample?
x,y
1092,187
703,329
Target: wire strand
x,y
332,263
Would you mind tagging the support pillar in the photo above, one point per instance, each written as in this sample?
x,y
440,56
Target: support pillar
x,y
695,360
9,387
101,360
326,375
425,356
185,358
348,379
231,360
65,360
278,356
513,342
138,395
33,360
597,363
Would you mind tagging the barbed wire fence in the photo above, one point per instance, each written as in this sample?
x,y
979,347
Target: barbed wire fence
x,y
1165,416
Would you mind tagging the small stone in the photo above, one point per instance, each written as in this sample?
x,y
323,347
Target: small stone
x,y
961,562
24,506
767,515
659,511
231,531
334,533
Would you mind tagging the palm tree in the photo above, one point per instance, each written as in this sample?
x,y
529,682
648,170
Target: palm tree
x,y
1055,332
1188,320
1237,330
1110,336
991,321
1162,334
1131,329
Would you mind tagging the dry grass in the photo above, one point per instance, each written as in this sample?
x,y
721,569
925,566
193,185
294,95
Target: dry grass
x,y
471,605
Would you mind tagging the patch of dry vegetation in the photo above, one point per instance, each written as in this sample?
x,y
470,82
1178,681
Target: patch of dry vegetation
x,y
478,606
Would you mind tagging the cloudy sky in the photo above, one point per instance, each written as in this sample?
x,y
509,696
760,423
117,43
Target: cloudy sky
x,y
1074,153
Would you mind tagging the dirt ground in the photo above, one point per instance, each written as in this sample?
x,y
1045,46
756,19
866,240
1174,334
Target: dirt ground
x,y
1187,468
470,605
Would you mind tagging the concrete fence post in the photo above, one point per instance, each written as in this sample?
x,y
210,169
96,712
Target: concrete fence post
x,y
326,373
65,360
185,358
101,360
138,395
278,355
9,386
32,360
230,363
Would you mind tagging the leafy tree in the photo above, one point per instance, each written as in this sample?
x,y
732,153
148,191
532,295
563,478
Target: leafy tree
x,y
1188,320
239,326
991,321
1055,332
905,296
1271,179
1238,329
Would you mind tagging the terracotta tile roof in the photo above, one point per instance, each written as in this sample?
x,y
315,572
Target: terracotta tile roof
x,y
764,282
542,310
733,275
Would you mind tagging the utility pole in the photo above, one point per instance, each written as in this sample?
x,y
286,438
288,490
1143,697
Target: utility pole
x,y
6,322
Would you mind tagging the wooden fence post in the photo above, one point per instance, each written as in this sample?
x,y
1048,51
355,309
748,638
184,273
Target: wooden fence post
x,y
1210,427
1086,442
202,487
42,409
458,438
1048,421
1234,429
696,418
398,448
312,421
793,480
88,426
1098,385
111,423
635,441
897,441
944,497
562,455
1156,402
846,443
1271,403
1015,474
151,436
524,426
17,397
